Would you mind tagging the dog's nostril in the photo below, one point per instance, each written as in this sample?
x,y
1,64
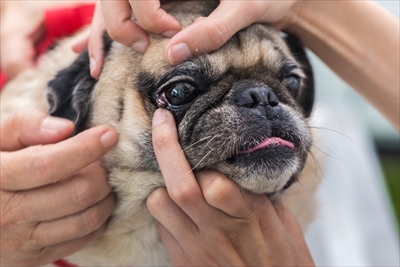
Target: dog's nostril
x,y
272,99
256,97
253,102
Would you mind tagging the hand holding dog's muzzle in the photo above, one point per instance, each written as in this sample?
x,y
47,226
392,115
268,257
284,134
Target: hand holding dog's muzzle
x,y
55,198
208,220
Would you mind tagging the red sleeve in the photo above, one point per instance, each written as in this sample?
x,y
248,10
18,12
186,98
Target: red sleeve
x,y
61,22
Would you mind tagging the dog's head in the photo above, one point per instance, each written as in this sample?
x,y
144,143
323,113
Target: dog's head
x,y
240,110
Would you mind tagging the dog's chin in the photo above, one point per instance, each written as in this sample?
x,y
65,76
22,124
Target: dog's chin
x,y
264,171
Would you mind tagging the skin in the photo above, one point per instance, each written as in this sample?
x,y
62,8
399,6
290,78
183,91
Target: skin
x,y
22,27
17,50
207,220
361,50
50,209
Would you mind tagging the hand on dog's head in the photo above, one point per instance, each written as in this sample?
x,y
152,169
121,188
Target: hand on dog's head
x,y
240,110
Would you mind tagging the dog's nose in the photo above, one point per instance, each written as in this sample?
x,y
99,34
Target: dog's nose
x,y
258,99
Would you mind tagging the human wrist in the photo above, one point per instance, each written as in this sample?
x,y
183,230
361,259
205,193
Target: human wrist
x,y
298,18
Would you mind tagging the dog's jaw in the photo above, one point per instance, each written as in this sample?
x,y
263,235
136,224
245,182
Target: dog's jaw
x,y
218,144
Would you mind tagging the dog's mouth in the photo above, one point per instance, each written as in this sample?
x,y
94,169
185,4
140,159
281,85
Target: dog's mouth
x,y
268,142
272,147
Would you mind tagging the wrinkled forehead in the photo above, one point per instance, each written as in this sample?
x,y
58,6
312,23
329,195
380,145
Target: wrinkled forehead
x,y
255,46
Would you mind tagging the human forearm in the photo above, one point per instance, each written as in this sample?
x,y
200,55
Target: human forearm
x,y
358,40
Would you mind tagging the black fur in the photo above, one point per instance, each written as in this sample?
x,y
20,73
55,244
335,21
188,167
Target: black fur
x,y
69,92
305,100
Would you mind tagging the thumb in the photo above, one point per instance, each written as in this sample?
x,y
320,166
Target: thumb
x,y
208,34
32,127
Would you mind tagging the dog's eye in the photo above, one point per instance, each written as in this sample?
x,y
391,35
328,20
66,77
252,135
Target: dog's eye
x,y
292,83
180,94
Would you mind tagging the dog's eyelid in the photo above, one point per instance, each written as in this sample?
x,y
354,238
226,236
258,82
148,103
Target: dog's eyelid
x,y
176,79
298,73
291,68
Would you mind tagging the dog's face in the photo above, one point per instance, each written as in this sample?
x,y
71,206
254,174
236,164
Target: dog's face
x,y
240,110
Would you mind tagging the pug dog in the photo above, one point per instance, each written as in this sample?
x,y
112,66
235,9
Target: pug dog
x,y
241,110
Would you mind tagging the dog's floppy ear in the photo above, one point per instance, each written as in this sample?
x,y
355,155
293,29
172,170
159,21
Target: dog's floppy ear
x,y
306,99
69,92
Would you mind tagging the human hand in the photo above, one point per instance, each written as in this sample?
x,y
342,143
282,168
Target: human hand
x,y
203,36
22,26
208,34
117,20
211,221
55,198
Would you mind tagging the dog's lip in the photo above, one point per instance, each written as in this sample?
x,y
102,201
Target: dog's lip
x,y
268,142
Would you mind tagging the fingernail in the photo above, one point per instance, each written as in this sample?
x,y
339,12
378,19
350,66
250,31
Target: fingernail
x,y
160,116
53,124
108,139
92,64
140,46
169,34
178,53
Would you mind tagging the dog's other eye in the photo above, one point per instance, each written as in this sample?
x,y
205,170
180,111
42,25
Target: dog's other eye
x,y
292,83
180,94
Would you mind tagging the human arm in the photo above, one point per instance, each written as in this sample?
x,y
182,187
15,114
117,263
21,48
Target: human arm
x,y
207,220
359,40
55,198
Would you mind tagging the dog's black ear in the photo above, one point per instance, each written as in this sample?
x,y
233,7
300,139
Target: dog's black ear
x,y
306,99
69,92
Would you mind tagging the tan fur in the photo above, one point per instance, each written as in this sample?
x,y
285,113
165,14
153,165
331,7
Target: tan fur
x,y
131,237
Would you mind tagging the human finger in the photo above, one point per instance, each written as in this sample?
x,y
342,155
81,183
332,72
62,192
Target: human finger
x,y
95,42
36,166
45,255
32,127
85,188
81,44
208,34
169,214
121,28
152,18
177,173
295,234
174,249
47,233
222,193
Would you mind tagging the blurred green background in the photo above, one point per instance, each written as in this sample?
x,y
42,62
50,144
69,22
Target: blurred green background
x,y
390,163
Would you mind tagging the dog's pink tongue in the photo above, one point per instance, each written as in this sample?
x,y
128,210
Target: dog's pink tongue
x,y
268,142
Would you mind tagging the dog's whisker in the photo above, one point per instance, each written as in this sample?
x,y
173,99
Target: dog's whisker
x,y
317,166
326,130
334,156
202,159
198,141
